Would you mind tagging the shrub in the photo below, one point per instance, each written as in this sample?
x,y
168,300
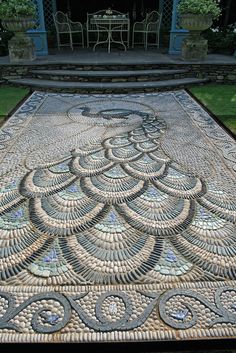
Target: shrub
x,y
13,9
221,40
200,7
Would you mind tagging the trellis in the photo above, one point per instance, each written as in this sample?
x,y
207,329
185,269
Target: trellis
x,y
49,9
166,7
46,8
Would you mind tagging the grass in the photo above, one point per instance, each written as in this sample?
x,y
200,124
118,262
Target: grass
x,y
9,98
221,101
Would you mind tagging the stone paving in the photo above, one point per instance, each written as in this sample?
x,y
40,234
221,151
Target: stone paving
x,y
117,220
102,57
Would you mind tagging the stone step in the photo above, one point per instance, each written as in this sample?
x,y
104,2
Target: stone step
x,y
105,86
109,75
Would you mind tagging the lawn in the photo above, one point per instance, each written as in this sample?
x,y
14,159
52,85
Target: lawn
x,y
221,101
9,98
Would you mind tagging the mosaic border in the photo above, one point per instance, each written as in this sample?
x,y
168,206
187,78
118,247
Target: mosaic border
x,y
216,134
12,127
98,329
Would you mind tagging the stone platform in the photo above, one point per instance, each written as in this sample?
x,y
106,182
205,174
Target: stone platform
x,y
117,220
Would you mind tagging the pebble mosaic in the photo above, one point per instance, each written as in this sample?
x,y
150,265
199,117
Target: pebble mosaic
x,y
117,220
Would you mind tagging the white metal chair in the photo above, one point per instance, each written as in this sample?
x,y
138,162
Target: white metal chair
x,y
149,26
64,26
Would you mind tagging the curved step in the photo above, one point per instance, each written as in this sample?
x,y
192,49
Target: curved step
x,y
78,75
116,86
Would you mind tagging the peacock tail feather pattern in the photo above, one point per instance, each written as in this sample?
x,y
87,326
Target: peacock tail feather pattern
x,y
117,211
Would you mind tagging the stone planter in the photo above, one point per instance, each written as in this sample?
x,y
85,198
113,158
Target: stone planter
x,y
195,47
21,47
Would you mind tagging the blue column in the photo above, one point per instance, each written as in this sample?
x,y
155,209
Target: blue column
x,y
39,35
177,35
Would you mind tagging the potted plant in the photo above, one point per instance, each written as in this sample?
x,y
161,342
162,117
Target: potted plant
x,y
18,16
196,16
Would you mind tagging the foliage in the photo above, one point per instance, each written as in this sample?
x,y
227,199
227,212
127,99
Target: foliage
x,y
13,9
221,39
201,7
221,101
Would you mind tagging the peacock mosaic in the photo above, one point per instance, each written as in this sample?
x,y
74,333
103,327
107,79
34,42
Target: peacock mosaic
x,y
117,220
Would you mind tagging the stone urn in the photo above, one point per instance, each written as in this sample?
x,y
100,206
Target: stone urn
x,y
21,47
194,47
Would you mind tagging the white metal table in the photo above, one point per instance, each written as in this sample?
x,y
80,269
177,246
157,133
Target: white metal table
x,y
110,25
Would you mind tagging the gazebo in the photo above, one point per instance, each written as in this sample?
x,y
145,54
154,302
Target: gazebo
x,y
46,8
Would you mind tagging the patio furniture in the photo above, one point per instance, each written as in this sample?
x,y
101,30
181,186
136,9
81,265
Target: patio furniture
x,y
64,26
150,26
108,26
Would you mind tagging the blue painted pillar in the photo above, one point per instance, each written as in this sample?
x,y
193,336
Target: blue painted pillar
x,y
177,35
39,35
